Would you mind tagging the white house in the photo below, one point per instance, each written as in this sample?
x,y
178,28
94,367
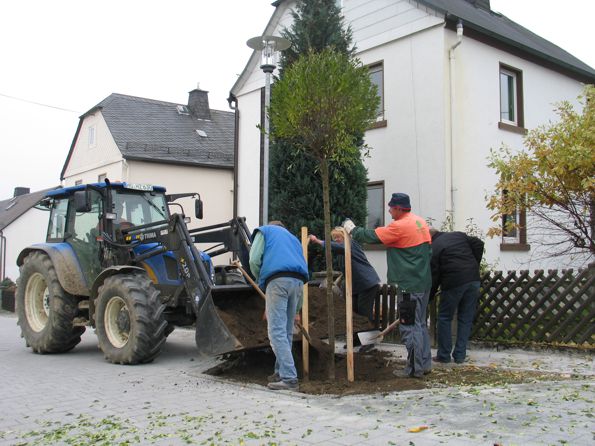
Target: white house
x,y
183,147
21,224
448,97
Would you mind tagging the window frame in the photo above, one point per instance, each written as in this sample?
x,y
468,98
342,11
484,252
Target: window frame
x,y
374,185
374,68
92,136
517,124
518,240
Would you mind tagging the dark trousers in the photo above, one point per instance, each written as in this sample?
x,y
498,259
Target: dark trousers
x,y
363,302
462,299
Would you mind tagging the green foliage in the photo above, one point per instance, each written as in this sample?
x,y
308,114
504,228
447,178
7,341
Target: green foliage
x,y
7,283
322,101
553,179
296,191
317,25
295,187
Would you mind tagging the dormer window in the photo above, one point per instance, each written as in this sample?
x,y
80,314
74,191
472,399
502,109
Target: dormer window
x,y
182,110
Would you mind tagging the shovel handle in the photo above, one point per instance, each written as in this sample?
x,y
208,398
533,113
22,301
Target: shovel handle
x,y
389,328
249,279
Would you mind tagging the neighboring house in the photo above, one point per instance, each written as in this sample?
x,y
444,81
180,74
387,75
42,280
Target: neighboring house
x,y
183,147
447,99
21,224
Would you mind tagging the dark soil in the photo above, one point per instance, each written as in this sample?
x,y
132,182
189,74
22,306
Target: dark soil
x,y
373,370
244,317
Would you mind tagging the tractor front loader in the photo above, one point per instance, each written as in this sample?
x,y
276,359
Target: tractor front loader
x,y
115,259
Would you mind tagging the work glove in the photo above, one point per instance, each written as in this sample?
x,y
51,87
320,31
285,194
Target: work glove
x,y
348,225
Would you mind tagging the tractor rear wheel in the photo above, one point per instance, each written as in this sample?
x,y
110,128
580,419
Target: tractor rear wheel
x,y
45,311
130,324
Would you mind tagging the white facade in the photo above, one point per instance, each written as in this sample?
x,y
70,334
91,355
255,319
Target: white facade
x,y
414,152
28,229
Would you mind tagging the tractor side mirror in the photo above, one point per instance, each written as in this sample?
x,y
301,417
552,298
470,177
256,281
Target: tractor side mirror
x,y
198,208
82,201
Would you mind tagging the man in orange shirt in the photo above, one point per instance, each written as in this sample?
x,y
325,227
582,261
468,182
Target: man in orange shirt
x,y
408,254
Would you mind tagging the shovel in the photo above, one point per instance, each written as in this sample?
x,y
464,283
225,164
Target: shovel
x,y
374,336
316,343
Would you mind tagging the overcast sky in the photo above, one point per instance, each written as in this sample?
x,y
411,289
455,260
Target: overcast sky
x,y
60,58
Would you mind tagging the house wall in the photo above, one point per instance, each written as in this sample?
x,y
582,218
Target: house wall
x,y
477,107
89,161
28,229
411,153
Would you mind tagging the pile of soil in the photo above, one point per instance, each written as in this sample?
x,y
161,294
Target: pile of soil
x,y
373,370
244,317
373,373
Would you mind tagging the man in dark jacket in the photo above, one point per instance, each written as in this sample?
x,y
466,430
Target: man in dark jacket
x,y
455,268
365,280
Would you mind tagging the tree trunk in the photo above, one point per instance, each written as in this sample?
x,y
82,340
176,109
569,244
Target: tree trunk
x,y
329,266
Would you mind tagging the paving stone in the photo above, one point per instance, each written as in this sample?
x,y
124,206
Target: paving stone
x,y
170,402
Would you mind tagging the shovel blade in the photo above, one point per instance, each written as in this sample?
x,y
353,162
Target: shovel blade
x,y
369,337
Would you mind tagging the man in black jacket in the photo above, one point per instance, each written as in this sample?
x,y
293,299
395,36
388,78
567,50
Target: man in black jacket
x,y
455,268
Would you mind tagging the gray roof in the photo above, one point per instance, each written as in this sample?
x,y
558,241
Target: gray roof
x,y
13,208
149,130
508,33
498,30
154,131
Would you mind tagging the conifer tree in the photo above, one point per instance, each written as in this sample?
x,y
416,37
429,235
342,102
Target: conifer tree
x,y
295,186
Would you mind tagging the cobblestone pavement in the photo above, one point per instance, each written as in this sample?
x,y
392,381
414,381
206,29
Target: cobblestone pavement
x,y
79,398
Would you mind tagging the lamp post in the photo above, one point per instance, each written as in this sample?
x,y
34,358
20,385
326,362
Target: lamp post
x,y
269,46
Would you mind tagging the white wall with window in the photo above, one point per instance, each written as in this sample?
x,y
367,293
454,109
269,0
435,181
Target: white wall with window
x,y
497,84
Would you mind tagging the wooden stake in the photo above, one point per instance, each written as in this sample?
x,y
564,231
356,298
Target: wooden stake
x,y
305,318
348,306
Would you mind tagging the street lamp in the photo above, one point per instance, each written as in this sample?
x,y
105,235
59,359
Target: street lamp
x,y
269,45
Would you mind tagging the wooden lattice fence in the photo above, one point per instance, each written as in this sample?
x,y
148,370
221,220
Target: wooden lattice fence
x,y
553,308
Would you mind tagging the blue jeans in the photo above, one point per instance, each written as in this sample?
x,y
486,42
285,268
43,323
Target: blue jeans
x,y
462,299
284,295
416,337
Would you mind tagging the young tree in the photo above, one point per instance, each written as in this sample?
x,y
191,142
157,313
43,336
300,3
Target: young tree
x,y
553,179
322,100
295,187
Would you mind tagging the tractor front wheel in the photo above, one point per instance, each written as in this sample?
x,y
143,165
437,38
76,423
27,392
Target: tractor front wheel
x,y
45,311
130,324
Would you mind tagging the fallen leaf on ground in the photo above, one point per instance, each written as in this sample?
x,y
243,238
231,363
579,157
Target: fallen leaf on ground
x,y
417,429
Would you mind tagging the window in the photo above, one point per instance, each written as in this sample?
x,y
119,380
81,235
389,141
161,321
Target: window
x,y
101,177
77,182
514,230
511,99
91,131
375,205
377,77
57,224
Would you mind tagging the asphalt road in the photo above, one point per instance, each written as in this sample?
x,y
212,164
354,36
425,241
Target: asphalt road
x,y
79,398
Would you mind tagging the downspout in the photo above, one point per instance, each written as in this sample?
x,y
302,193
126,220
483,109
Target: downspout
x,y
2,255
450,202
232,99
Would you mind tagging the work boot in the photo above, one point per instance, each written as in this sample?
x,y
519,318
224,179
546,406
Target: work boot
x,y
440,360
273,378
284,385
400,373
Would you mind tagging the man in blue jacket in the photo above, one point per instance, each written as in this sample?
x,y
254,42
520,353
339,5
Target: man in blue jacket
x,y
278,264
455,269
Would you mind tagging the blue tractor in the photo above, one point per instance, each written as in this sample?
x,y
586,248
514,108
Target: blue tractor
x,y
116,259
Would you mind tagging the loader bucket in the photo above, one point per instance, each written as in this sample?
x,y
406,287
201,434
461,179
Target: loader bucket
x,y
230,319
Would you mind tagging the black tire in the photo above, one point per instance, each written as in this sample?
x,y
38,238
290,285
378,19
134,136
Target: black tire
x,y
130,324
45,311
